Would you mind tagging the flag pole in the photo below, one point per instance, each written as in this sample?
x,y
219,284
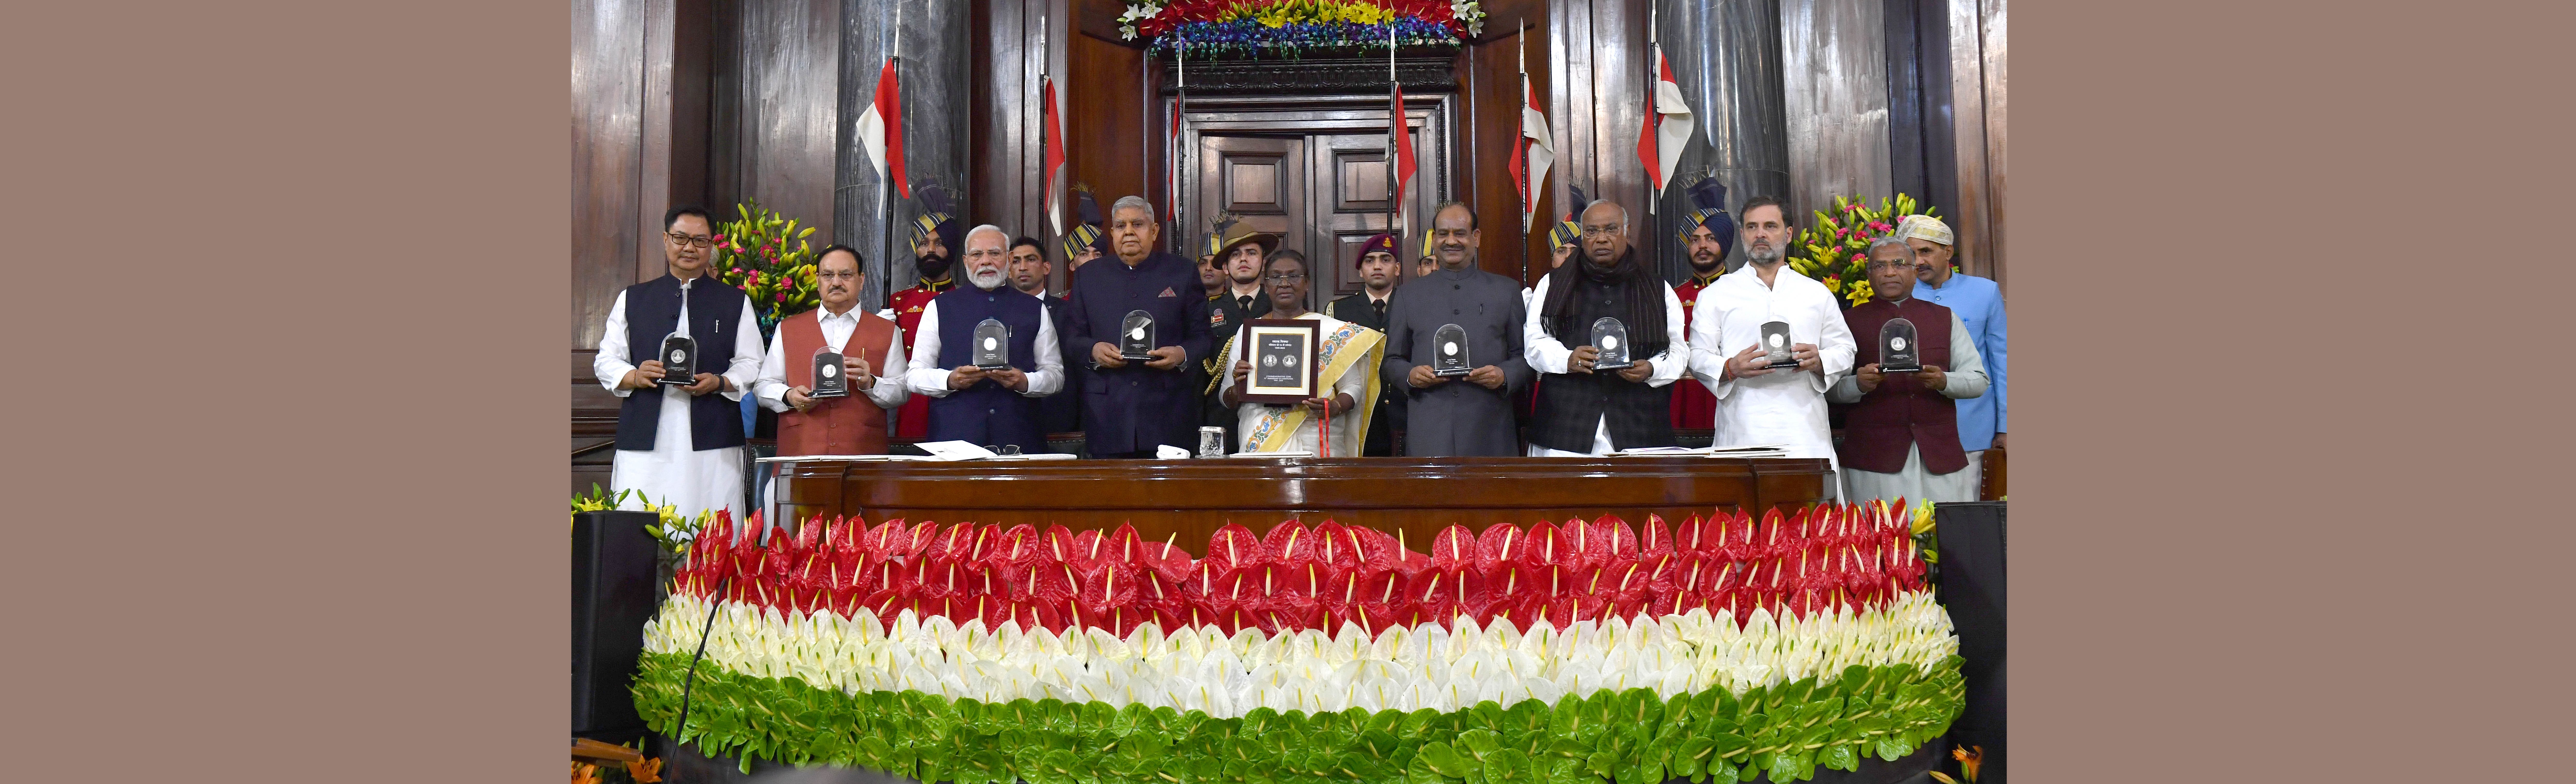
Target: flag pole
x,y
1520,47
1180,152
894,59
1046,196
1394,120
1654,51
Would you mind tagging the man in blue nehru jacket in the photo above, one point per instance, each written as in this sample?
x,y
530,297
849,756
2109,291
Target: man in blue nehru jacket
x,y
681,444
1129,407
997,407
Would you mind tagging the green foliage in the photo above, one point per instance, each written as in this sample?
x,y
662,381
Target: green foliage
x,y
1628,737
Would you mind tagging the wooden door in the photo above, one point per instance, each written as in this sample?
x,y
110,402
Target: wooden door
x,y
1261,179
1351,183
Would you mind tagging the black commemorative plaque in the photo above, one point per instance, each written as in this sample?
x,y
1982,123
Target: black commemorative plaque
x,y
1611,337
1897,351
1449,351
1781,350
1136,336
679,360
992,345
831,379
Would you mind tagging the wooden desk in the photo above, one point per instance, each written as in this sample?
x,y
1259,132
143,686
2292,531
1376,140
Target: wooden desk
x,y
1192,498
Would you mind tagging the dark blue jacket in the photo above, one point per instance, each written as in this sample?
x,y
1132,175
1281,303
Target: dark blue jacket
x,y
1134,408
653,313
988,413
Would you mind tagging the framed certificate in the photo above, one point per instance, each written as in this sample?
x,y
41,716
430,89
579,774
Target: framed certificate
x,y
1282,352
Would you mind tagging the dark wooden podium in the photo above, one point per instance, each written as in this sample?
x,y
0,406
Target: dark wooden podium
x,y
1192,498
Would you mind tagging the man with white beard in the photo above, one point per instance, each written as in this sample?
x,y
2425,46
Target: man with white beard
x,y
996,407
1758,404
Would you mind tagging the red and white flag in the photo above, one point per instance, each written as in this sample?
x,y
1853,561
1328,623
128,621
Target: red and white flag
x,y
1668,126
1529,163
1403,145
1172,189
1054,133
881,129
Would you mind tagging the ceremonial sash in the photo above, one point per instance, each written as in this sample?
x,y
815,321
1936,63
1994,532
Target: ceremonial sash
x,y
1351,346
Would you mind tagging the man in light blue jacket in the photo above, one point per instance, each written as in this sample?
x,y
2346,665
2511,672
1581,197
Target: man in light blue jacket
x,y
1980,303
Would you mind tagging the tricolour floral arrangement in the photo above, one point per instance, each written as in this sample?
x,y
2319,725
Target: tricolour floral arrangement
x,y
1834,248
1568,653
753,253
1290,28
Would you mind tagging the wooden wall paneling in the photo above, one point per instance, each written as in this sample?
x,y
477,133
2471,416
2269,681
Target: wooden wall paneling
x,y
607,130
1007,55
693,49
1490,82
724,107
653,165
1906,141
1105,107
1971,203
1833,56
1990,38
1618,43
790,53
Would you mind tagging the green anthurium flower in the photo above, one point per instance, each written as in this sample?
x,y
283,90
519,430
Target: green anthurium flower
x,y
1444,759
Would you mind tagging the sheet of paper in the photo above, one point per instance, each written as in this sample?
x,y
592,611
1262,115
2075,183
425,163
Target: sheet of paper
x,y
1282,453
820,458
954,450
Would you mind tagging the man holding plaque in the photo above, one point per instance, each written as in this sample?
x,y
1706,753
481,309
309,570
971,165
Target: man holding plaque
x,y
1344,361
1469,414
1378,270
1978,303
818,413
963,330
680,441
1129,407
1625,326
1758,403
1901,438
934,239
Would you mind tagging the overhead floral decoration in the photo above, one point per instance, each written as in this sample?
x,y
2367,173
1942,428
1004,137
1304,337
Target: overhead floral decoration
x,y
770,260
1548,654
1296,28
1834,248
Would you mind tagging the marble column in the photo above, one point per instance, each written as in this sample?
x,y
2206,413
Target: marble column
x,y
1725,55
931,40
1833,55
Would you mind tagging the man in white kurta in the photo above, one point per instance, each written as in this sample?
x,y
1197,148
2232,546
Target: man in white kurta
x,y
1347,364
1755,404
674,472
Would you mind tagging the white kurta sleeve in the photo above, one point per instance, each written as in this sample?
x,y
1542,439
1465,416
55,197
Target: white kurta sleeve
x,y
1833,355
1049,376
1707,346
1544,352
611,365
1967,374
747,350
890,391
1675,359
770,388
924,375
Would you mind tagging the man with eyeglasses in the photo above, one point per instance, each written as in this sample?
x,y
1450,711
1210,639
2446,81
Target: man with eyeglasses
x,y
1469,415
1583,409
996,407
867,343
1129,408
1901,436
677,444
1757,403
1346,360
